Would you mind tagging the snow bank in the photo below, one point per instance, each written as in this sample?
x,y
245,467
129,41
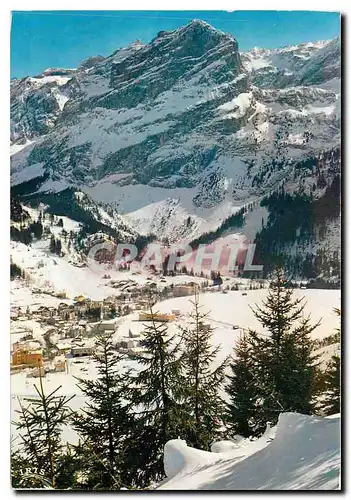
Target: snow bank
x,y
178,456
305,455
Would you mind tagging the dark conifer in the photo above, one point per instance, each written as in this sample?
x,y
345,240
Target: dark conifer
x,y
202,381
103,422
284,356
155,392
243,390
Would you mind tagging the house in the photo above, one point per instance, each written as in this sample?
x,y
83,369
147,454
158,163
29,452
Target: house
x,y
79,298
185,289
105,327
60,365
94,304
28,357
62,306
143,303
82,347
82,306
45,312
143,316
127,344
63,347
67,312
78,351
27,344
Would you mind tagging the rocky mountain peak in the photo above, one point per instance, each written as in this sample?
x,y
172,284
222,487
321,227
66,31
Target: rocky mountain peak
x,y
180,115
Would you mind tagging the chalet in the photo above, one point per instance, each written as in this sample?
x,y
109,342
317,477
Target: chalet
x,y
94,304
62,307
63,347
45,312
82,349
60,365
105,327
144,316
80,298
82,306
28,344
184,289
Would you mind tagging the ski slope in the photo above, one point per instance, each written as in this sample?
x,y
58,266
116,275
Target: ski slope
x,y
304,455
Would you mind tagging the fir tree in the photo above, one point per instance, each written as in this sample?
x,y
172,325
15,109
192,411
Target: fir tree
x,y
52,244
58,247
103,423
285,363
331,400
37,229
243,390
155,393
40,425
15,270
330,403
202,381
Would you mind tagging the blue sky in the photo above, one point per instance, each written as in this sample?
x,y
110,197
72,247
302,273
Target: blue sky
x,y
40,40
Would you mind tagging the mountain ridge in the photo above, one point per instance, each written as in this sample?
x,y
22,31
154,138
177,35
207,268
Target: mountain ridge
x,y
185,118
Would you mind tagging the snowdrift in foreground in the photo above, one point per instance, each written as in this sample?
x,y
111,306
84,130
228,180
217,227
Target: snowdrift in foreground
x,y
305,455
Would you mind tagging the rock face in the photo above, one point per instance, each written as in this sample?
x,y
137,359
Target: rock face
x,y
185,117
304,64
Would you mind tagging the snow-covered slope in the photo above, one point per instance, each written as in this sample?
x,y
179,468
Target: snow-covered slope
x,y
304,455
312,63
77,224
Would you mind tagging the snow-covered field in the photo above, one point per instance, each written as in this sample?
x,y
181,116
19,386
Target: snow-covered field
x,y
304,455
233,308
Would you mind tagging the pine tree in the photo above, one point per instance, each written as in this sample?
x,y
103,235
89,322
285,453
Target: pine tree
x,y
40,425
58,247
243,390
52,244
104,422
202,381
284,356
331,400
155,393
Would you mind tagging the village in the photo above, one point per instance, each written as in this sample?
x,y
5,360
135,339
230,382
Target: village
x,y
69,329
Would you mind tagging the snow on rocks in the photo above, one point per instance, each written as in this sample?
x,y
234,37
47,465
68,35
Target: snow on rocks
x,y
237,107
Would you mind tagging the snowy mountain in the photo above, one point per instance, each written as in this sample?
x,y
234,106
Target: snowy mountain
x,y
315,63
182,132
